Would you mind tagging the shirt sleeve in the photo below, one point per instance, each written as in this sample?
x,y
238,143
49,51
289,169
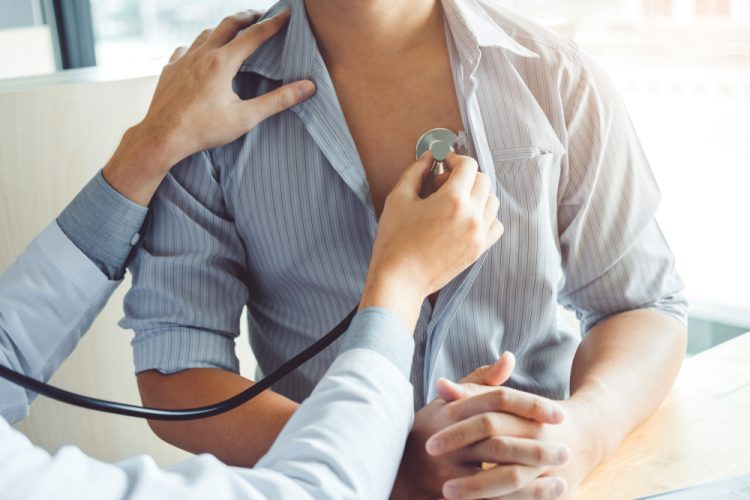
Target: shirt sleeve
x,y
48,299
614,255
188,289
104,225
332,447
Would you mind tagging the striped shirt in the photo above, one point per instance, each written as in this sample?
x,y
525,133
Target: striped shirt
x,y
282,221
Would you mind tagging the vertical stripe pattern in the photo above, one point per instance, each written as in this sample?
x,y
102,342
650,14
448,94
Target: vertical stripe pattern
x,y
281,220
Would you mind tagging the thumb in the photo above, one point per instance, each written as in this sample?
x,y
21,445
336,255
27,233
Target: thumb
x,y
413,177
284,97
495,374
450,391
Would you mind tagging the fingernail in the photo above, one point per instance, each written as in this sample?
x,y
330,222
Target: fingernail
x,y
450,489
563,455
560,487
434,446
557,414
305,89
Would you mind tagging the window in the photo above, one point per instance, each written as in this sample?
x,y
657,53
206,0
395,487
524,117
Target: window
x,y
23,24
682,67
708,8
686,83
657,8
134,33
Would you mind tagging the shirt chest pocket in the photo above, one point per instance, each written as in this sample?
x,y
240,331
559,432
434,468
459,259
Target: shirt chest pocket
x,y
520,160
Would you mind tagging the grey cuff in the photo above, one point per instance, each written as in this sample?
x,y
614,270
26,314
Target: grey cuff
x,y
104,225
172,350
377,329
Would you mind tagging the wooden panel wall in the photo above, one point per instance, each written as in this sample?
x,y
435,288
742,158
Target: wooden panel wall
x,y
53,139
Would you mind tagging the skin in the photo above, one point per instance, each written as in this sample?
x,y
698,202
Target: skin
x,y
611,370
540,448
195,88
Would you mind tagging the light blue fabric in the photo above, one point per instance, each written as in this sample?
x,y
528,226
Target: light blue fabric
x,y
281,219
104,225
332,446
377,329
48,299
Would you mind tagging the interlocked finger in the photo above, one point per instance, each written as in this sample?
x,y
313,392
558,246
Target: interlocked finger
x,y
491,483
478,428
542,488
507,400
513,450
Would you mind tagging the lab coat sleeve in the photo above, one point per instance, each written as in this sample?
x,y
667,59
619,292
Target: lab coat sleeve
x,y
48,299
345,441
104,225
50,296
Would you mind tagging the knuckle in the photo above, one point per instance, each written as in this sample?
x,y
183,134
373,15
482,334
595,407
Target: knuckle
x,y
215,60
455,203
537,430
469,488
537,408
473,225
501,398
539,492
452,411
483,179
234,19
267,27
499,447
487,423
515,477
495,202
284,98
469,162
540,454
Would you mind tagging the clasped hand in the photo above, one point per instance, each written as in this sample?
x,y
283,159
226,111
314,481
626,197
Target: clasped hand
x,y
478,440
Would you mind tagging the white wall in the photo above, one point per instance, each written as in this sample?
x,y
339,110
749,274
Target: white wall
x,y
26,51
53,139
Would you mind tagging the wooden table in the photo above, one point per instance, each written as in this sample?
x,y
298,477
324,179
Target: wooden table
x,y
701,433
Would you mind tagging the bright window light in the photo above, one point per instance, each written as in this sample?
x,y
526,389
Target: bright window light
x,y
682,67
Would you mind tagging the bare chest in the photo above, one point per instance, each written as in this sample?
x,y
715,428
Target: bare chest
x,y
386,122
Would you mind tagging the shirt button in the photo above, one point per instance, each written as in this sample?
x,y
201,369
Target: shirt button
x,y
136,238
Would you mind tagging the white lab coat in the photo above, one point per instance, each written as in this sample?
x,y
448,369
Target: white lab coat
x,y
345,441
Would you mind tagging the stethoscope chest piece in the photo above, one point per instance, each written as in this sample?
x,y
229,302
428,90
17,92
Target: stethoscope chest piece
x,y
439,142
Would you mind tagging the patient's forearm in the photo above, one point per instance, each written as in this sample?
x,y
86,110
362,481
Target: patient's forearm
x,y
621,373
239,437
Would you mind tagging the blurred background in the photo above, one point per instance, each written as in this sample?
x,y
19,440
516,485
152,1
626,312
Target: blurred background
x,y
70,67
682,66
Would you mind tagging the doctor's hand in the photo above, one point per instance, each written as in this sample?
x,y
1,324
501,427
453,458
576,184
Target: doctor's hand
x,y
423,243
194,106
444,456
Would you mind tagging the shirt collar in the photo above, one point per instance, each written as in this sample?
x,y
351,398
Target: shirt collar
x,y
470,22
288,56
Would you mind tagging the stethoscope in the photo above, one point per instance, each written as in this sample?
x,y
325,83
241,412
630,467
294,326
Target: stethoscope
x,y
439,142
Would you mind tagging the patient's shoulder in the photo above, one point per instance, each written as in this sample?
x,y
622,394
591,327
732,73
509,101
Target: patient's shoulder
x,y
552,47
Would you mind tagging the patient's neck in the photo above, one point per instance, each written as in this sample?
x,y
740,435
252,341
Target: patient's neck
x,y
367,36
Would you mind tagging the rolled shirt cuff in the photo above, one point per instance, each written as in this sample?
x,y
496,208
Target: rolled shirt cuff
x,y
377,329
104,225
